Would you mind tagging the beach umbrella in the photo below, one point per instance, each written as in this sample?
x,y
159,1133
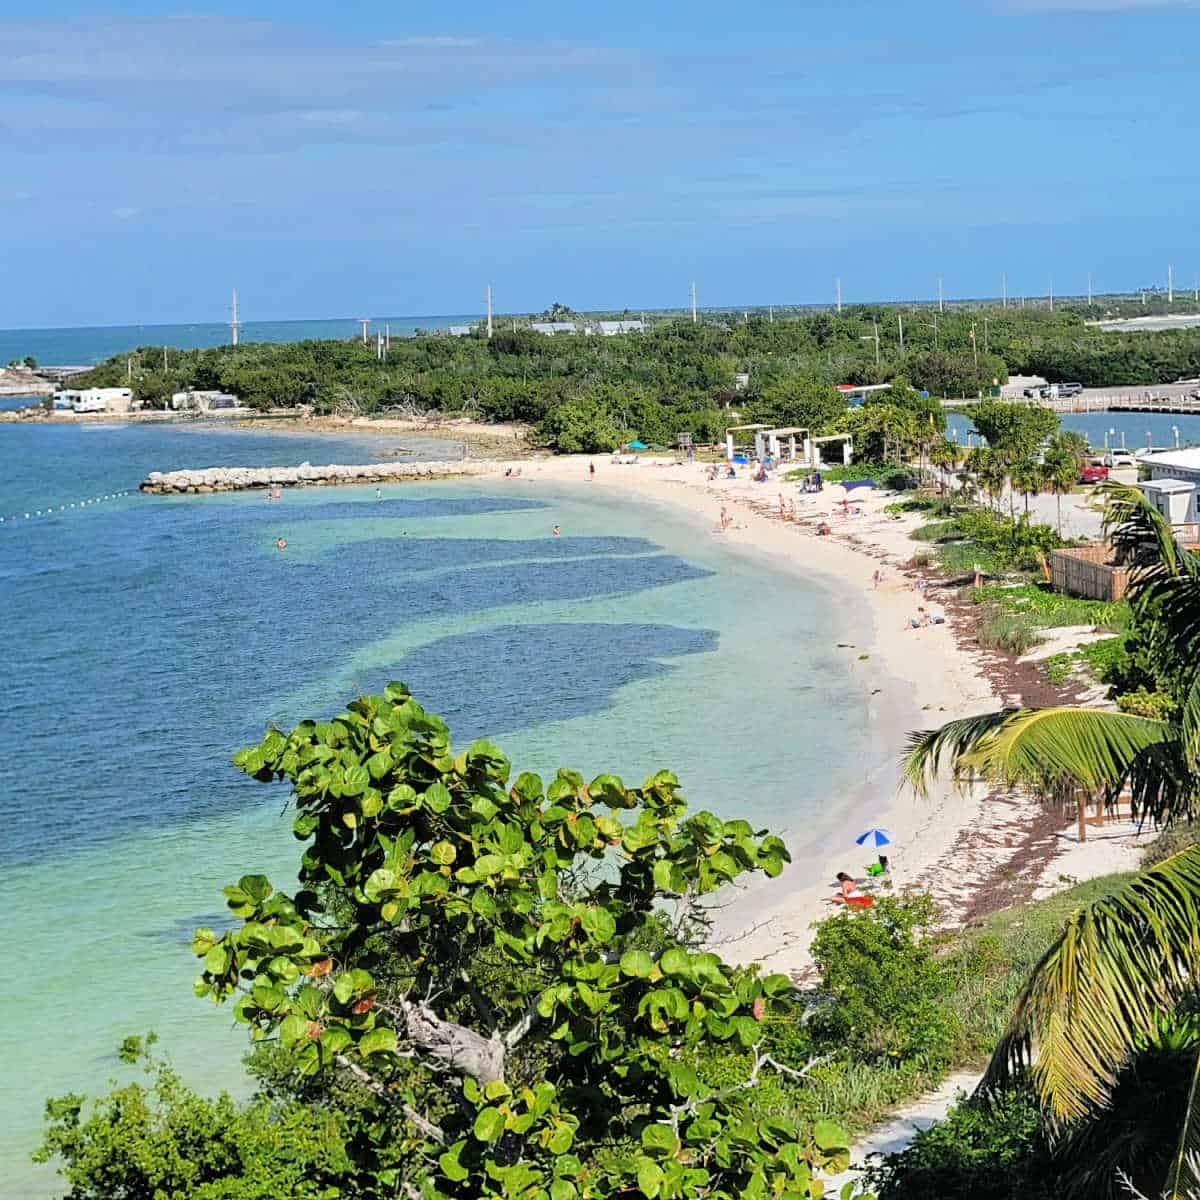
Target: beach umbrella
x,y
874,837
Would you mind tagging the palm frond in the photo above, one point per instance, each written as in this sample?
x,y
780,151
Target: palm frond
x,y
1164,588
1183,1182
1054,752
1141,536
1101,989
927,748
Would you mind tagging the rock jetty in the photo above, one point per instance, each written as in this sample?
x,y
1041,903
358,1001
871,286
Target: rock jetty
x,y
237,479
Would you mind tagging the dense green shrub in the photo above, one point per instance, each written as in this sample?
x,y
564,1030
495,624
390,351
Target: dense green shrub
x,y
1159,706
887,991
167,1142
976,1153
581,427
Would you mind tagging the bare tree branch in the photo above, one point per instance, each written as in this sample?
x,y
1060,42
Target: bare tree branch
x,y
422,1124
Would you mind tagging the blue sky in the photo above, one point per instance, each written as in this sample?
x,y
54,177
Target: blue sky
x,y
332,160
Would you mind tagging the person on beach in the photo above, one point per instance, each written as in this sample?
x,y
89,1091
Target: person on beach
x,y
782,508
791,510
591,470
877,579
280,544
726,519
847,891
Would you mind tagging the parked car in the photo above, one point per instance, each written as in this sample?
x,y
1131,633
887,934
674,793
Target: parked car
x,y
1093,473
1070,389
1120,458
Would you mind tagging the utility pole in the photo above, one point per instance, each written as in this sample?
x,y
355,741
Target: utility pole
x,y
985,335
489,312
379,345
1051,286
771,314
387,339
900,322
164,360
364,322
941,301
1089,289
934,328
873,337
1170,284
1004,289
839,295
234,325
695,318
1196,289
974,348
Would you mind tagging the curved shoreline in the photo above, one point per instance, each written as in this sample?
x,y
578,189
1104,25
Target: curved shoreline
x,y
963,846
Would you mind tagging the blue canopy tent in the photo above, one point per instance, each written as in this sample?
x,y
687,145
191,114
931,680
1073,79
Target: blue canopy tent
x,y
635,445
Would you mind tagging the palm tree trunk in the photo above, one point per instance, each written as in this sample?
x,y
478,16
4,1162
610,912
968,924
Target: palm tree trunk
x,y
1058,505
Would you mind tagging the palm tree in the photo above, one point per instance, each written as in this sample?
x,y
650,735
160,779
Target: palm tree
x,y
1060,467
1119,965
1027,478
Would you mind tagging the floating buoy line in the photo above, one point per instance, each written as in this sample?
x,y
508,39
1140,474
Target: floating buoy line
x,y
54,510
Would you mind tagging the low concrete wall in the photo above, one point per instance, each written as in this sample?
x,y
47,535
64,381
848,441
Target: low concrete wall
x,y
236,479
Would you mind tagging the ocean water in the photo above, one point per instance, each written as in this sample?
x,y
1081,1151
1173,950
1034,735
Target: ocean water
x,y
83,345
148,638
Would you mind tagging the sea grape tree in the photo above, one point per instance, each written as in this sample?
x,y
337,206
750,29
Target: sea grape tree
x,y
501,965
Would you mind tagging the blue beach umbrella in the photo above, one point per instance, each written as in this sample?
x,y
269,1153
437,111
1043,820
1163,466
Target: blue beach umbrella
x,y
874,837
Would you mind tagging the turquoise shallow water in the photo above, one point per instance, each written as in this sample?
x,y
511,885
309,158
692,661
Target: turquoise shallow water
x,y
149,638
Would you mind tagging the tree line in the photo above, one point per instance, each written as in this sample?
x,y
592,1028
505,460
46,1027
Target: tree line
x,y
590,393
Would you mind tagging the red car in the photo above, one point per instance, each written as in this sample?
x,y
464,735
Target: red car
x,y
1093,473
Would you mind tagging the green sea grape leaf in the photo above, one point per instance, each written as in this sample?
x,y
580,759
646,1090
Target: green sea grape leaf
x,y
489,1124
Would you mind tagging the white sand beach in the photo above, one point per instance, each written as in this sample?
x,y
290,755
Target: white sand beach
x,y
951,843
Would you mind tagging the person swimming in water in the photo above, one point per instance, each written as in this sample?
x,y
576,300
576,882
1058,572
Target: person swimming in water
x,y
280,544
555,531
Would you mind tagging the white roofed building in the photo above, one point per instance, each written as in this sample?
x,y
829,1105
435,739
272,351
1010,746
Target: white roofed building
x,y
612,328
550,328
1173,464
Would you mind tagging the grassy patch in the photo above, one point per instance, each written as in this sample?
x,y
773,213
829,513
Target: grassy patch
x,y
1052,609
917,504
1096,658
1013,633
991,964
960,557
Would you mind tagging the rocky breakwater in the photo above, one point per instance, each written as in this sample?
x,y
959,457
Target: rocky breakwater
x,y
238,479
